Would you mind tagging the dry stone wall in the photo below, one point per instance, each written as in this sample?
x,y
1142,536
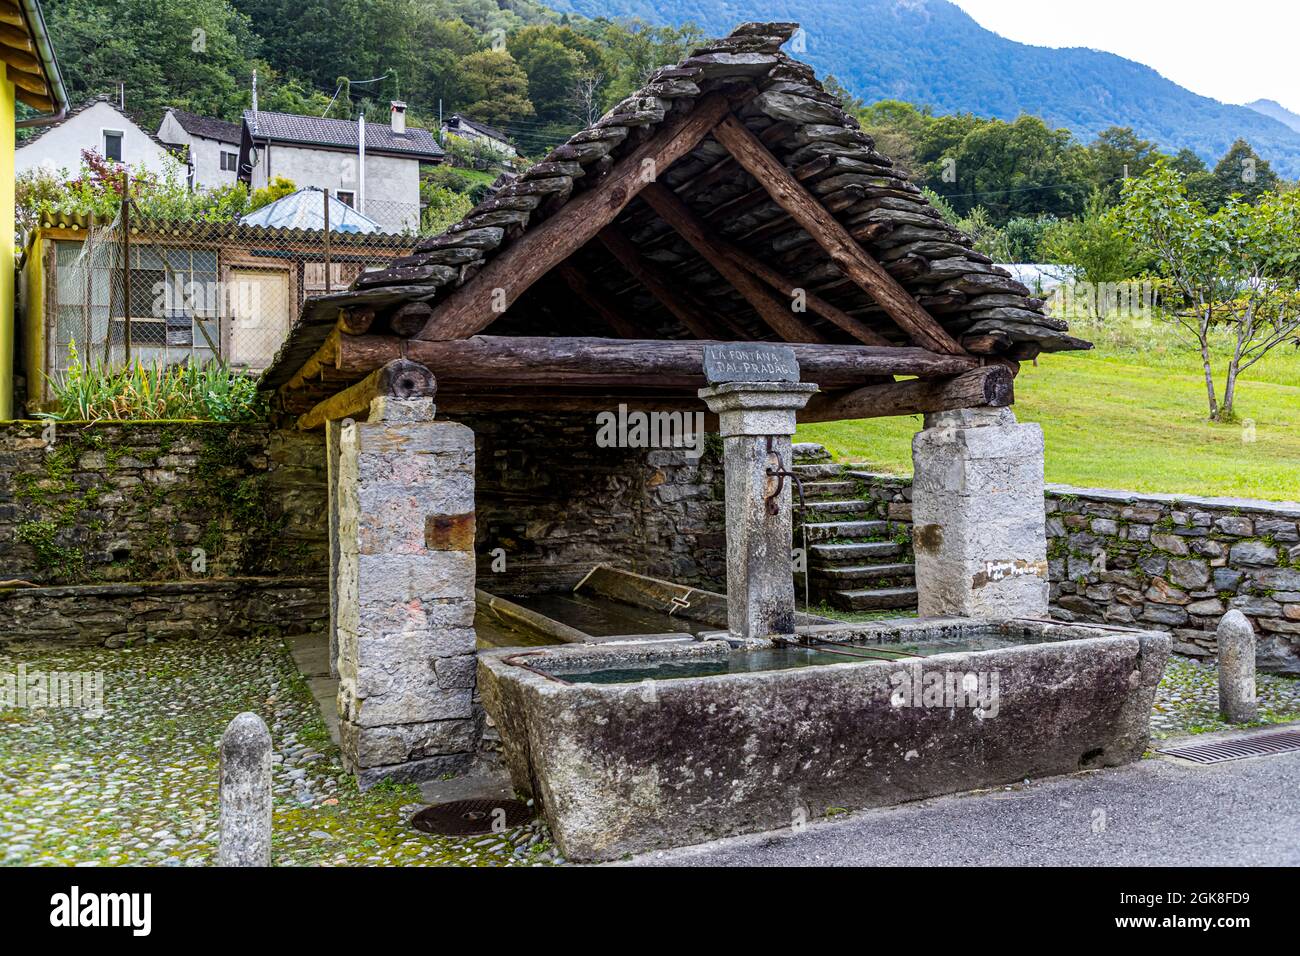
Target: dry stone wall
x,y
149,530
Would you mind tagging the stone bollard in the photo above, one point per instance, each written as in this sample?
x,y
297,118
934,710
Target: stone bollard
x,y
245,795
1236,638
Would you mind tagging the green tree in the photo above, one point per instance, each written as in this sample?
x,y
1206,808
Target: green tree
x,y
1238,269
1115,154
193,54
492,87
1243,172
1094,251
555,58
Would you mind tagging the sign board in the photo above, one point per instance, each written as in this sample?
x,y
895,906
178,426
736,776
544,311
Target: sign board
x,y
750,362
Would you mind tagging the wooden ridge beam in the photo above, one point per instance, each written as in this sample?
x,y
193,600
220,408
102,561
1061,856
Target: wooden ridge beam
x,y
476,304
778,316
991,385
654,363
841,247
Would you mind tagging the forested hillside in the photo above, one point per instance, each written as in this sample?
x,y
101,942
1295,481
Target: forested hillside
x,y
538,73
931,53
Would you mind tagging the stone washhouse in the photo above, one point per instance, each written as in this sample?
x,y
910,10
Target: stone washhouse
x,y
730,201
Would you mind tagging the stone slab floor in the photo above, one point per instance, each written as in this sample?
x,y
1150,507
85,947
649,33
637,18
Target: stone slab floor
x,y
137,783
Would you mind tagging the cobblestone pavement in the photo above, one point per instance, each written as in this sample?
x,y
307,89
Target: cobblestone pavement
x,y
137,782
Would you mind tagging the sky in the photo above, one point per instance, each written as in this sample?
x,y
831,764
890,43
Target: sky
x,y
1235,57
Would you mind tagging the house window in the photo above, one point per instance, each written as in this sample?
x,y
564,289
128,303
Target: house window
x,y
229,161
113,145
347,198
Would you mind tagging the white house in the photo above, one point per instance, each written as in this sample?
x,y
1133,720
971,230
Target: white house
x,y
382,180
472,130
211,146
96,124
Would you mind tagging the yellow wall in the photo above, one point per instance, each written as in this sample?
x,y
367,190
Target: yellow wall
x,y
31,291
6,246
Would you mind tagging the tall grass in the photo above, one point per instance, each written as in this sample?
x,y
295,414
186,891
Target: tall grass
x,y
209,391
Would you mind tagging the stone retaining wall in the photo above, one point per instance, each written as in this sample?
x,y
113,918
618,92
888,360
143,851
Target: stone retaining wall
x,y
1175,563
132,501
113,615
151,530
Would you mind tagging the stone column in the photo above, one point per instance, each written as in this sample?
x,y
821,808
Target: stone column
x,y
244,793
756,421
1236,641
405,592
978,523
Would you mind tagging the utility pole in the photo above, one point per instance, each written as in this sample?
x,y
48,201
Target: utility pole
x,y
361,173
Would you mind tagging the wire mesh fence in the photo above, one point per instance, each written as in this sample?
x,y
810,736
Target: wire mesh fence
x,y
150,289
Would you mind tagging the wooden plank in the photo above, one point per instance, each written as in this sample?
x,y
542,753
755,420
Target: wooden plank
x,y
18,39
843,250
778,316
656,363
991,385
511,272
399,378
680,303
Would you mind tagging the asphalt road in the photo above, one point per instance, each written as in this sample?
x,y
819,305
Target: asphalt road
x,y
1156,812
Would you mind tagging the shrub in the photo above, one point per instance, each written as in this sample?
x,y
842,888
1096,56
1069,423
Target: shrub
x,y
207,391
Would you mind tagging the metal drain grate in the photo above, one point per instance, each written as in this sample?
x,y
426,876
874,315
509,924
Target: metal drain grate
x,y
1258,746
471,817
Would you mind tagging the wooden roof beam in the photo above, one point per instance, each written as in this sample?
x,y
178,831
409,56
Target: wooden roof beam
x,y
841,247
778,316
493,360
991,385
476,304
679,302
600,303
750,265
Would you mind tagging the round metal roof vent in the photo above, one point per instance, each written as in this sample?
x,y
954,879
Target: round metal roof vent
x,y
471,817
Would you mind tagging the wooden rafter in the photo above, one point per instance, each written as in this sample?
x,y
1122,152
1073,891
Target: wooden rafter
x,y
476,304
676,300
399,378
599,302
778,316
664,201
826,230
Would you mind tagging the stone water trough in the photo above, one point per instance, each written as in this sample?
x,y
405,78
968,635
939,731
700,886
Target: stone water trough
x,y
630,747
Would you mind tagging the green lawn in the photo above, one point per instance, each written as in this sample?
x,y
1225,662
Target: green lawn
x,y
1129,415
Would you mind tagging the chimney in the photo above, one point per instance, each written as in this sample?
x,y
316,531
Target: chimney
x,y
399,117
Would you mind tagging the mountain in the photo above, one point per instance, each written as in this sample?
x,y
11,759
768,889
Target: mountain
x,y
1276,110
931,53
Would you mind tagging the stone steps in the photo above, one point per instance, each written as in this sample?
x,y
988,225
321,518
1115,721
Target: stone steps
x,y
835,506
859,574
828,489
854,551
852,563
819,531
874,599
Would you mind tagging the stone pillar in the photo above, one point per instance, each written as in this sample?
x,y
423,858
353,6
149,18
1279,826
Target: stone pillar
x,y
978,523
332,433
244,793
405,593
756,421
1236,640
